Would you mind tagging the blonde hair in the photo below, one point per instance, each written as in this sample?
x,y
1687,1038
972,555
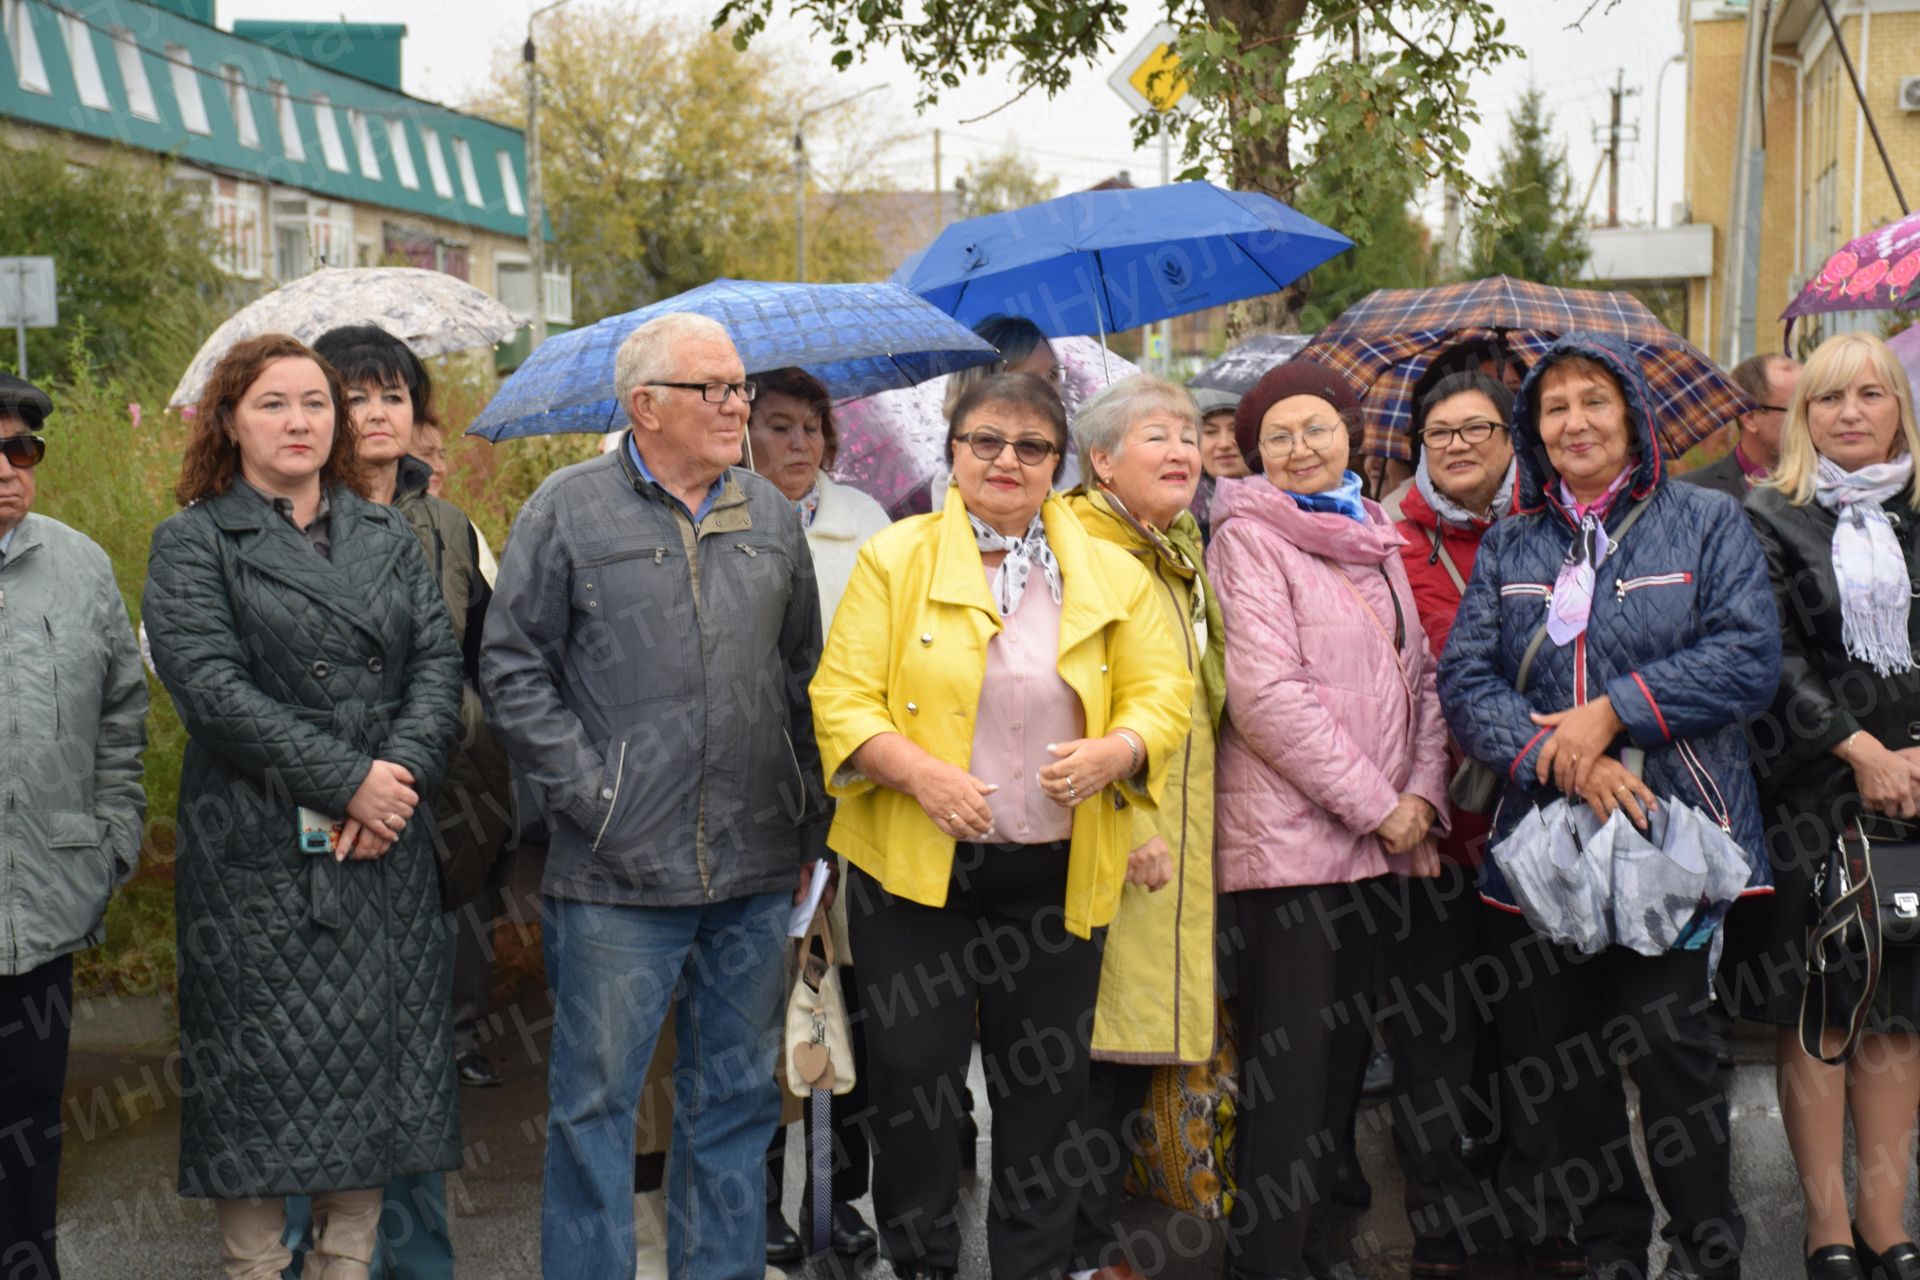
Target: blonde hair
x,y
1837,362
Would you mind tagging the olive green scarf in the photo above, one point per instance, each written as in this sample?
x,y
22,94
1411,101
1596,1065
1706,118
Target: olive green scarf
x,y
1181,549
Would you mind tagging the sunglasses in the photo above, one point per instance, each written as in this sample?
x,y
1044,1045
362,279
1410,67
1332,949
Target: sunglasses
x,y
23,451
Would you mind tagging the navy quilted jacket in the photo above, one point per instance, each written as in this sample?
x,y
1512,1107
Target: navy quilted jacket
x,y
1683,636
316,1028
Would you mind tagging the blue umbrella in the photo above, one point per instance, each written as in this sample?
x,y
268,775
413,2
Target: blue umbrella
x,y
855,338
1105,261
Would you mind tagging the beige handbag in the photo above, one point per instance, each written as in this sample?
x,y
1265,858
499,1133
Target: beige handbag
x,y
819,1050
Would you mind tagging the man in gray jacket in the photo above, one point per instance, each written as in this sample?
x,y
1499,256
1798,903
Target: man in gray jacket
x,y
645,662
73,722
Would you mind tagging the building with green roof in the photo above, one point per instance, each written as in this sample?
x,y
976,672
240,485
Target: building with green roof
x,y
297,135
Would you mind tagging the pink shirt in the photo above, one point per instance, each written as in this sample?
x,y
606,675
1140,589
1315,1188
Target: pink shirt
x,y
1024,705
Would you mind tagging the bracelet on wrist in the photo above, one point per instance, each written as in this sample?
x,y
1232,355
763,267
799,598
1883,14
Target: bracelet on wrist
x,y
1133,750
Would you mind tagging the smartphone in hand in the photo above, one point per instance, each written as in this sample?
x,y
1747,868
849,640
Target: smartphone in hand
x,y
319,834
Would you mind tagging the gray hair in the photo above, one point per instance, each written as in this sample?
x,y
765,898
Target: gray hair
x,y
1103,422
647,354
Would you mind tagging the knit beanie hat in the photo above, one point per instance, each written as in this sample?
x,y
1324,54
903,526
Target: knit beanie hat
x,y
1296,377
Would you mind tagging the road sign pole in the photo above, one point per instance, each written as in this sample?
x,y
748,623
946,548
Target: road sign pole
x,y
20,329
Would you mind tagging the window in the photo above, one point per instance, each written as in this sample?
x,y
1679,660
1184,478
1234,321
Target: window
x,y
186,90
469,180
437,164
510,184
27,64
291,143
242,104
133,76
86,63
310,233
330,144
402,155
236,227
363,145
513,284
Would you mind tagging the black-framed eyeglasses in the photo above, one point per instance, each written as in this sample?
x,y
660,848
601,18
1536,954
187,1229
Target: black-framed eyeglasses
x,y
717,392
1477,432
24,452
987,446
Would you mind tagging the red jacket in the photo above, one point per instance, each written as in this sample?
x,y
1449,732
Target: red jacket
x,y
1437,600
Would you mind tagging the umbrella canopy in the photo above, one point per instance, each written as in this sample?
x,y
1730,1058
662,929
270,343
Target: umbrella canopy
x,y
893,445
855,338
1242,366
431,311
1905,346
1874,272
1104,261
1386,342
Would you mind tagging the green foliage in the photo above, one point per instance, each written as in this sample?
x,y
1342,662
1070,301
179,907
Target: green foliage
x,y
1530,228
1396,252
132,257
1361,96
1003,182
667,160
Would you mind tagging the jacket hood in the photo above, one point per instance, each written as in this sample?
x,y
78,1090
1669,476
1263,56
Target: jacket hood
x,y
414,477
1319,533
1535,476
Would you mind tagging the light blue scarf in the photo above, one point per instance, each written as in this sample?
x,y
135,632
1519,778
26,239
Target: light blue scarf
x,y
1344,500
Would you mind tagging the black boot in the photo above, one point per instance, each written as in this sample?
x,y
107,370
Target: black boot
x,y
784,1248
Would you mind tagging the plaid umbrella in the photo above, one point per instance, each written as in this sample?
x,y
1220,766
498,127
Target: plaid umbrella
x,y
1386,342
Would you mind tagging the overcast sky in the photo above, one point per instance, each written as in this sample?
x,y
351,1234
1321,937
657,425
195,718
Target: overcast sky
x,y
1083,135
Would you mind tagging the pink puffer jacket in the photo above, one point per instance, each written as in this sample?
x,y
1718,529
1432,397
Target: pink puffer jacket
x,y
1322,734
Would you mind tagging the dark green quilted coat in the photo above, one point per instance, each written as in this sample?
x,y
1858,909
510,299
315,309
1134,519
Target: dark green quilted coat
x,y
315,1026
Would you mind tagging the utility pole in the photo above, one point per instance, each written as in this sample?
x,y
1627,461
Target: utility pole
x,y
536,213
1616,133
800,177
1741,265
939,192
1660,84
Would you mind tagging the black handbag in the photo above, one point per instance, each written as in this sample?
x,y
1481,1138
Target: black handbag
x,y
1866,897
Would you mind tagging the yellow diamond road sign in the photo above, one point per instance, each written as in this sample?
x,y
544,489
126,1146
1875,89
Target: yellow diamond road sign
x,y
1149,78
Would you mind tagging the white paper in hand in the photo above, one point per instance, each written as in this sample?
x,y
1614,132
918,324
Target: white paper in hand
x,y
803,910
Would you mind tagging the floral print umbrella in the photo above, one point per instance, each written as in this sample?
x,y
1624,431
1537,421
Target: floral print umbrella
x,y
1871,273
431,311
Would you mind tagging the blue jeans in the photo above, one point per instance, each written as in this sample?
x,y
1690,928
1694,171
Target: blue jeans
x,y
616,971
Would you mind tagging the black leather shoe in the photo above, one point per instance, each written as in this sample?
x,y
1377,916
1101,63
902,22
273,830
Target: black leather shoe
x,y
476,1070
1554,1256
1835,1262
1349,1185
847,1234
784,1248
1438,1256
1898,1262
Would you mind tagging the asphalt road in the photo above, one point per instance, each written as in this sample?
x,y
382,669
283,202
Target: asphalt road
x,y
122,1221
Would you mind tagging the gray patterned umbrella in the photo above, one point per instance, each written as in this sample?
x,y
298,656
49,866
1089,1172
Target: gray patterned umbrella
x,y
431,311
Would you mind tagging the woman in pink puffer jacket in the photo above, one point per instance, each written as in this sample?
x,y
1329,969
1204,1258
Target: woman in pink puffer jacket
x,y
1332,776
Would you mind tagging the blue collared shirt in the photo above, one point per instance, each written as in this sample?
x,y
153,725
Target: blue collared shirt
x,y
706,503
6,539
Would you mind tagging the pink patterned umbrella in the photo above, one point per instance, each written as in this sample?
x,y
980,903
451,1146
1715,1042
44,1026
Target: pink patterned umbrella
x,y
1871,273
893,445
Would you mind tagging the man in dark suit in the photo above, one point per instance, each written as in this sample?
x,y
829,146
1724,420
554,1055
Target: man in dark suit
x,y
1769,379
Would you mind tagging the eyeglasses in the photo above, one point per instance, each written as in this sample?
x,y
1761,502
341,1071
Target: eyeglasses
x,y
1478,432
716,392
1316,437
24,452
987,446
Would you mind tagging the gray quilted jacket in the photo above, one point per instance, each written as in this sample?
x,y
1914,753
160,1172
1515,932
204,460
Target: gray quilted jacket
x,y
315,1024
650,678
73,721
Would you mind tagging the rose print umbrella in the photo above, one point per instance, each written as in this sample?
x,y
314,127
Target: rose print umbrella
x,y
1878,271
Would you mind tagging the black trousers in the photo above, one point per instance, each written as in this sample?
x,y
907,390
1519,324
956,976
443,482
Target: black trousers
x,y
1455,990
36,1019
1653,1012
1000,943
1110,1122
1306,964
852,1117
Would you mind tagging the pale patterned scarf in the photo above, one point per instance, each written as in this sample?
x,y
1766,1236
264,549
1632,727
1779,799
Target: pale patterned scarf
x,y
1868,562
1023,553
1572,602
808,506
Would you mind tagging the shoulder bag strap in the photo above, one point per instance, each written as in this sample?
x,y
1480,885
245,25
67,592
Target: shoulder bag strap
x,y
1540,636
1380,627
1446,561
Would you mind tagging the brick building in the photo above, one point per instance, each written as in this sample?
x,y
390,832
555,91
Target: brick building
x,y
295,136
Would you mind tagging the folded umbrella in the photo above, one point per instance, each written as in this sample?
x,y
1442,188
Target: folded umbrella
x,y
431,311
856,338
